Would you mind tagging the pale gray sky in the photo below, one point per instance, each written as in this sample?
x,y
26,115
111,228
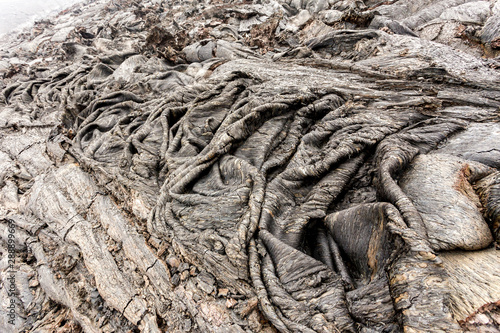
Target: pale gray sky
x,y
17,13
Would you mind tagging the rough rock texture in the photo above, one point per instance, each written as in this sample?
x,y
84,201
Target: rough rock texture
x,y
291,166
440,188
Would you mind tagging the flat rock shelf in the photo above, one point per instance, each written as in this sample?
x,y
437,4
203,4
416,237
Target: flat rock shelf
x,y
267,166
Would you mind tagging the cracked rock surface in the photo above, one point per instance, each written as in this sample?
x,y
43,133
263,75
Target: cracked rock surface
x,y
268,166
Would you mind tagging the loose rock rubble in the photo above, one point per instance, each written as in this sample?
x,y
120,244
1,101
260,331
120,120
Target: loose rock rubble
x,y
234,166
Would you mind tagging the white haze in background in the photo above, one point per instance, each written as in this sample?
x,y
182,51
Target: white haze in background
x,y
17,14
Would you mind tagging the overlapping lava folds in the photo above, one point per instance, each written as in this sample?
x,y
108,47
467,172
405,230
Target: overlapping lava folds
x,y
292,166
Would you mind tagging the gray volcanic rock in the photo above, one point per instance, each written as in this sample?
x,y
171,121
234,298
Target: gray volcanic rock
x,y
440,188
291,166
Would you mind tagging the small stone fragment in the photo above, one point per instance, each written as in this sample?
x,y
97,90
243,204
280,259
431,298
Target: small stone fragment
x,y
249,307
175,280
184,275
230,303
173,261
223,292
34,283
206,282
331,16
183,267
